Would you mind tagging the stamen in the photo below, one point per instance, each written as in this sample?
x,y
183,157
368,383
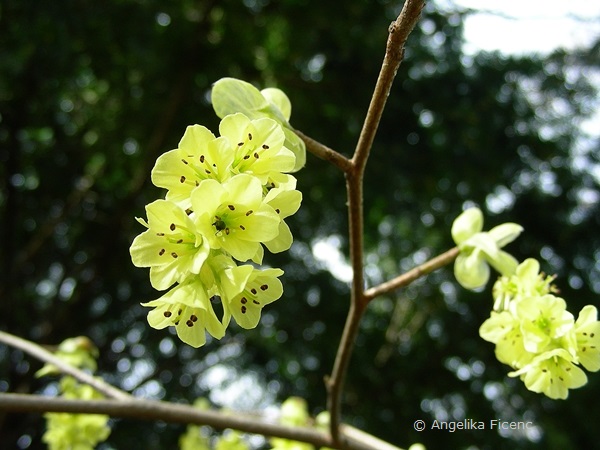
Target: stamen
x,y
264,287
182,179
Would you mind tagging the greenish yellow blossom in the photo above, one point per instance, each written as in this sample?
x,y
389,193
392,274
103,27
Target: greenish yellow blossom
x,y
231,440
544,320
552,373
536,335
66,431
196,437
503,329
294,412
261,288
587,332
478,249
186,307
77,352
285,203
256,146
526,282
230,96
199,156
233,216
171,246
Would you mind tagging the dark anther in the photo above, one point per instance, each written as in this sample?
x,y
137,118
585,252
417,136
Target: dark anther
x,y
184,161
160,234
174,255
167,314
189,323
246,156
179,241
182,179
277,211
172,227
264,287
253,291
250,136
249,212
161,252
243,310
201,158
193,318
231,207
242,227
256,302
256,155
265,146
244,300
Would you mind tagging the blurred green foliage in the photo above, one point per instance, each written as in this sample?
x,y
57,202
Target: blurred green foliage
x,y
92,92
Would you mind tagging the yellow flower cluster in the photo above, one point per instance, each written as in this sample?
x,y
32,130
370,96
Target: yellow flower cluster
x,y
227,198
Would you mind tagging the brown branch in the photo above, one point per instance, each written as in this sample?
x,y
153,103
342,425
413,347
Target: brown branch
x,y
408,277
398,33
177,413
125,405
44,355
324,152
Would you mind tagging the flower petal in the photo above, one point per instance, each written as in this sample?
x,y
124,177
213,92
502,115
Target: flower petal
x,y
467,224
470,270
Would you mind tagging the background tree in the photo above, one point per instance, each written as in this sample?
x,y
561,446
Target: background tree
x,y
91,94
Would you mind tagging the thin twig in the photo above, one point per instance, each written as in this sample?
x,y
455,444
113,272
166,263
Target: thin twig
x,y
177,413
324,152
408,277
44,355
398,33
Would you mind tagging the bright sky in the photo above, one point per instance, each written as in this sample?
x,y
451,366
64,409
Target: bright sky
x,y
524,26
